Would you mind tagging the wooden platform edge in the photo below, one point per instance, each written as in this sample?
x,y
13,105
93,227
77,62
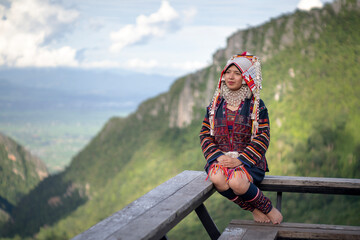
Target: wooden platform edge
x,y
113,225
245,229
164,206
344,186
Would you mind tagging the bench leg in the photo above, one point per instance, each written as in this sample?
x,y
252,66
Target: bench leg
x,y
164,238
278,201
207,222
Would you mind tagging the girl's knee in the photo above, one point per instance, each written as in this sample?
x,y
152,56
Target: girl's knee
x,y
239,184
219,180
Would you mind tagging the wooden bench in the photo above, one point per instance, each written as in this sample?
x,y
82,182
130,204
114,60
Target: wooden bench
x,y
248,230
280,184
158,211
239,229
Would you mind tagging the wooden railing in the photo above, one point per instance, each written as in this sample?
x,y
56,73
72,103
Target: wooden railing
x,y
157,212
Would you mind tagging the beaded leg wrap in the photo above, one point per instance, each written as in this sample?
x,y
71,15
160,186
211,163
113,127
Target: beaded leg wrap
x,y
257,199
229,194
244,205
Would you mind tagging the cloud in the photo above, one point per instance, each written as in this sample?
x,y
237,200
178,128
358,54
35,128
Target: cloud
x,y
189,14
104,64
307,5
27,26
149,65
164,21
137,63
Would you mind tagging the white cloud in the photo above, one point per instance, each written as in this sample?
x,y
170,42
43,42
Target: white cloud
x,y
101,64
139,64
149,65
165,20
25,28
307,5
189,14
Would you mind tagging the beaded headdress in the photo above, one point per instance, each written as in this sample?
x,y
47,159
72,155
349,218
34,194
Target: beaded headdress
x,y
250,68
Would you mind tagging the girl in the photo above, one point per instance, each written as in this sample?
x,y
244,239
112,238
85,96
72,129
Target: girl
x,y
235,135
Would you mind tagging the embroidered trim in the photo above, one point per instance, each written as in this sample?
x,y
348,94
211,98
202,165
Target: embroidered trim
x,y
228,172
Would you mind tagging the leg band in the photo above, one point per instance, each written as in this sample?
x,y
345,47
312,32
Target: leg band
x,y
244,205
257,199
229,194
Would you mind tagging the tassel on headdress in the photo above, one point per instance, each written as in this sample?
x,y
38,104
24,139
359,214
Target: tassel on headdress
x,y
250,68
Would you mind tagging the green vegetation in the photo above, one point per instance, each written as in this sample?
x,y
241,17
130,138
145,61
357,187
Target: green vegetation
x,y
20,172
53,136
311,91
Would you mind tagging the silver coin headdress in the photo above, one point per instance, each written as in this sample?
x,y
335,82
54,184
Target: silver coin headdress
x,y
250,68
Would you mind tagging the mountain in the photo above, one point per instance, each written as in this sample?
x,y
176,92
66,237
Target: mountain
x,y
20,172
310,86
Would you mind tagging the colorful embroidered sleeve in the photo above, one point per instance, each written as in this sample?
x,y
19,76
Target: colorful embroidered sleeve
x,y
254,153
208,146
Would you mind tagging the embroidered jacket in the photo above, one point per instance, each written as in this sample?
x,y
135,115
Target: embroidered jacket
x,y
252,152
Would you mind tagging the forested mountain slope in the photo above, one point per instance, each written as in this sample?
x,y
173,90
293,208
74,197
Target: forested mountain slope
x,y
20,172
310,86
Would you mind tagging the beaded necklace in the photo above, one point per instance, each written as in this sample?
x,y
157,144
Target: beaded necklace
x,y
234,98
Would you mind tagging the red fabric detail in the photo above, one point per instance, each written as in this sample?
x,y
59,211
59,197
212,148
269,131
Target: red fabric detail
x,y
228,172
250,82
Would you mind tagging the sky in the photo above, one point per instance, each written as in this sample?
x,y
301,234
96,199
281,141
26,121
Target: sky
x,y
167,37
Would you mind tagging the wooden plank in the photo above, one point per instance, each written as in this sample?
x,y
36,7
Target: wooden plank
x,y
319,231
259,233
157,221
138,207
154,214
233,232
344,186
297,230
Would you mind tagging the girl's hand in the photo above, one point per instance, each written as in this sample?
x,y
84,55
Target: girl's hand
x,y
228,162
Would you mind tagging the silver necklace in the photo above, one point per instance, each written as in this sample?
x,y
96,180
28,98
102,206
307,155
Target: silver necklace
x,y
234,98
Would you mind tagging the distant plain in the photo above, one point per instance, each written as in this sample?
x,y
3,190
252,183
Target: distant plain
x,y
54,113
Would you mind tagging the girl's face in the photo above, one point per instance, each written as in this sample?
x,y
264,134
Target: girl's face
x,y
233,78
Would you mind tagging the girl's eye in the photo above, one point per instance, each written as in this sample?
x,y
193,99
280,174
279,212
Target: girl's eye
x,y
237,73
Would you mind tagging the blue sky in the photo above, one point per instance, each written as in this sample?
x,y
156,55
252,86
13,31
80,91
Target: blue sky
x,y
168,37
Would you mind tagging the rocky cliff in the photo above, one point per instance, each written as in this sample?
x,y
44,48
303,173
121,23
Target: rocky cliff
x,y
265,41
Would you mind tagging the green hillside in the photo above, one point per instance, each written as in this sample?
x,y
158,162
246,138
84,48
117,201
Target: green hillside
x,y
310,86
20,172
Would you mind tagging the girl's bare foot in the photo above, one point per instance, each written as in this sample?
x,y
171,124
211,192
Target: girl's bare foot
x,y
260,217
275,216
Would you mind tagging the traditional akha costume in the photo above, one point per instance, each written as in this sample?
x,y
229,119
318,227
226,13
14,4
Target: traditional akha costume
x,y
243,134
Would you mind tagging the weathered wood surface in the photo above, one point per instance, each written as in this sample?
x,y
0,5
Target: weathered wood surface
x,y
155,213
244,230
344,186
